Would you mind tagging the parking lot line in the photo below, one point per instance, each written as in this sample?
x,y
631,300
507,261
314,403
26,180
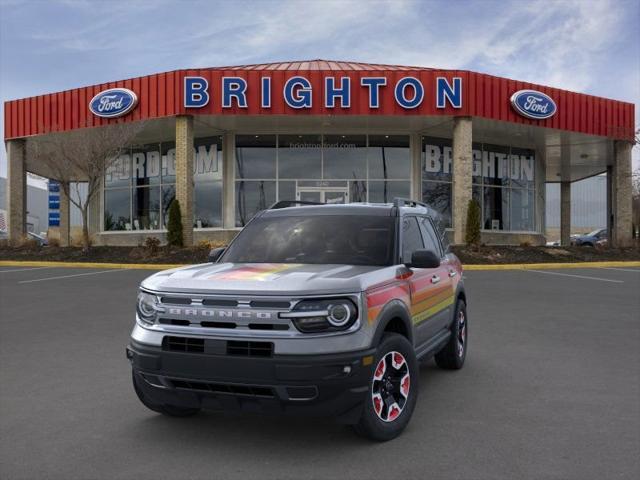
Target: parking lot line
x,y
23,269
636,270
67,276
577,276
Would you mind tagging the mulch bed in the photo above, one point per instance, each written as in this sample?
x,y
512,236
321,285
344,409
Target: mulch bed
x,y
480,256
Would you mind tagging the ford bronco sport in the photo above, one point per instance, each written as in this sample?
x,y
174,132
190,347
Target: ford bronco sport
x,y
312,309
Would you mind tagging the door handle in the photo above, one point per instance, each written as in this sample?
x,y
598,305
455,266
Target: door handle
x,y
435,279
452,273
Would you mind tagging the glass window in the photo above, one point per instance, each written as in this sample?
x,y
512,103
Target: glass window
x,y
381,191
437,161
429,236
438,196
252,197
145,165
522,163
208,205
207,159
300,156
495,165
496,208
118,174
389,156
363,240
522,209
286,190
255,156
146,208
168,162
345,156
476,154
411,238
117,203
168,194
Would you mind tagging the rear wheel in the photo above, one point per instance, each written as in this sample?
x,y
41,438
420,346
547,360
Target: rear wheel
x,y
393,390
452,356
165,409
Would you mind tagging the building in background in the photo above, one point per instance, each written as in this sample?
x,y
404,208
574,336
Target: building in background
x,y
37,207
228,142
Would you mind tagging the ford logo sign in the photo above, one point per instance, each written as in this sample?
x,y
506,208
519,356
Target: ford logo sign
x,y
114,102
533,104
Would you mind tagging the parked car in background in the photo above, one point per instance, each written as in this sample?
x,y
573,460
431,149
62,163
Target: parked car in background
x,y
590,239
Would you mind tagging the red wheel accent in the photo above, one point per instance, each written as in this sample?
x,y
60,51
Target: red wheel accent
x,y
390,386
404,385
380,369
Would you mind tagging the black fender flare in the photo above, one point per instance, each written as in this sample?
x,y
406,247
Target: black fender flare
x,y
393,309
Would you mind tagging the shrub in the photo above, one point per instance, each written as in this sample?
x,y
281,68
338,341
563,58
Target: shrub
x,y
174,226
54,242
525,244
472,235
152,244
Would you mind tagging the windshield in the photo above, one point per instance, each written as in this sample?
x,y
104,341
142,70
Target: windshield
x,y
341,239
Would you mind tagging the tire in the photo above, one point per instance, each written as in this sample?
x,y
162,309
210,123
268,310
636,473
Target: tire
x,y
453,354
165,409
395,376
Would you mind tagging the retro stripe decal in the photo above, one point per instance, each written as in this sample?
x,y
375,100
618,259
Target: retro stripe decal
x,y
257,272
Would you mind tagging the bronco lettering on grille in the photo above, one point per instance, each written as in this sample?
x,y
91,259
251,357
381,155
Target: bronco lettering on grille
x,y
210,313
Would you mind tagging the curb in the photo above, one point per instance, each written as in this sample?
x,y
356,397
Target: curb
x,y
165,266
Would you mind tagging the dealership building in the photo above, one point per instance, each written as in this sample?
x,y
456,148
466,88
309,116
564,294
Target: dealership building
x,y
228,142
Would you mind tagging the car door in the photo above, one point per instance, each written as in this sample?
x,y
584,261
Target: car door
x,y
441,303
423,282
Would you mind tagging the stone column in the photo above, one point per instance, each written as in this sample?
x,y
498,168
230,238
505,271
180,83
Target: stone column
x,y
16,191
415,147
565,213
184,174
621,184
462,175
228,180
65,218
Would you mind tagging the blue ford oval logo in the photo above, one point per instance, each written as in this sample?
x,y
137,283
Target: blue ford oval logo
x,y
533,104
114,102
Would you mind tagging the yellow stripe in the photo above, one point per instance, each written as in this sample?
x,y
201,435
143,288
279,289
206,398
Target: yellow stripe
x,y
433,310
430,302
551,266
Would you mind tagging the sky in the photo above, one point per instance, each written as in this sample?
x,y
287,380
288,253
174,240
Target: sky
x,y
581,45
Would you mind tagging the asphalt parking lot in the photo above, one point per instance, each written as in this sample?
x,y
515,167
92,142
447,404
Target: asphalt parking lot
x,y
551,389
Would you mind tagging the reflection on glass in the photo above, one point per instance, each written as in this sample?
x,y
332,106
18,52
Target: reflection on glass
x,y
495,165
251,197
207,161
286,190
522,209
255,156
437,161
146,208
145,165
522,162
438,196
208,205
118,174
168,194
358,191
345,156
496,208
116,209
389,156
300,156
385,192
168,162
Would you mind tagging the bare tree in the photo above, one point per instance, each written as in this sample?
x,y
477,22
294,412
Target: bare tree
x,y
82,156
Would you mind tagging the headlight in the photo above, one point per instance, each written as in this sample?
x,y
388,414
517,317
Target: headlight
x,y
146,307
324,315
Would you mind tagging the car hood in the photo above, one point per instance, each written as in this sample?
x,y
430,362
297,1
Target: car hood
x,y
266,278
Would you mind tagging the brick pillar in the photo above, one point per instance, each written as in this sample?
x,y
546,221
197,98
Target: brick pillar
x,y
228,181
462,174
16,191
184,174
565,213
65,218
621,185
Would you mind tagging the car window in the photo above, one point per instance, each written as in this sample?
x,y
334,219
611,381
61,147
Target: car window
x,y
429,236
411,238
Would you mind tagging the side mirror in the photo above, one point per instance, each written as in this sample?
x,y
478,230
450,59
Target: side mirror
x,y
215,254
424,259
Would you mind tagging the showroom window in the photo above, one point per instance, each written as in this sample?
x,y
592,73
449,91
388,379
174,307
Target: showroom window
x,y
321,168
503,183
140,186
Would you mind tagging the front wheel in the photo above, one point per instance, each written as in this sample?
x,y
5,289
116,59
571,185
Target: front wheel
x,y
452,355
393,390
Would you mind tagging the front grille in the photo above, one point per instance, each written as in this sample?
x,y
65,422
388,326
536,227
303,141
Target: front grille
x,y
183,344
249,349
247,390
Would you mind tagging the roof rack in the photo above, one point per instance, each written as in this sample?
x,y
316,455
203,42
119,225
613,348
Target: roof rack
x,y
291,203
406,202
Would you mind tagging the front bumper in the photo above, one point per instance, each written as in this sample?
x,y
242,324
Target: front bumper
x,y
333,385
